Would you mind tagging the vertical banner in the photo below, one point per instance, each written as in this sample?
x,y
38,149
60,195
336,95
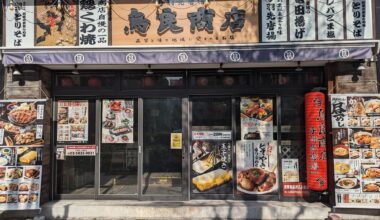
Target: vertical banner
x,y
274,21
356,150
302,20
72,122
56,23
316,158
212,162
21,144
359,19
256,118
93,23
256,165
19,24
330,20
117,121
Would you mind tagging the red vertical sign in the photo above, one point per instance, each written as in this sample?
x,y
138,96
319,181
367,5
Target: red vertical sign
x,y
316,157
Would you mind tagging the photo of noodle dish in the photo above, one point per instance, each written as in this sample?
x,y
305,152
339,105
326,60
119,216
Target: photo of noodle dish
x,y
348,183
256,181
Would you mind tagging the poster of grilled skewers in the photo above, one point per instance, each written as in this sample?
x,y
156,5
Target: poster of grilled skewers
x,y
212,162
356,150
256,166
72,121
117,123
21,137
256,118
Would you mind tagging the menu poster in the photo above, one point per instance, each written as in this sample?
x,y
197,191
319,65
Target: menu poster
x,y
256,118
256,165
356,150
21,122
117,121
212,162
290,170
72,122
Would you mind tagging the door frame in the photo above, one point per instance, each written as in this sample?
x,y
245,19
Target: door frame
x,y
185,195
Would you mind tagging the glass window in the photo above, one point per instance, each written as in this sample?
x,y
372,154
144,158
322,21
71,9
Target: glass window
x,y
155,80
224,80
119,148
75,174
87,81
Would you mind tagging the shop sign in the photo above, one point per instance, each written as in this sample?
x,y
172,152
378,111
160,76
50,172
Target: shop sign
x,y
356,151
302,20
93,23
19,23
72,121
117,121
56,24
211,162
185,23
256,166
176,140
21,131
80,150
295,189
359,19
274,21
330,20
256,118
316,156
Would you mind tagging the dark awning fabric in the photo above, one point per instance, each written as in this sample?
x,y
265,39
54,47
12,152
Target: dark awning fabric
x,y
237,54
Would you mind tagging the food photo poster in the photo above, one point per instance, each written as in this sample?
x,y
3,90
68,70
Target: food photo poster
x,y
72,121
356,150
212,162
21,144
117,121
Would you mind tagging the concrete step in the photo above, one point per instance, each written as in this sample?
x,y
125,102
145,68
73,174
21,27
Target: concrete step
x,y
195,209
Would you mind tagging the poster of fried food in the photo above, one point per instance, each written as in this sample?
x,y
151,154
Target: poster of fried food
x,y
356,163
256,167
256,118
21,122
117,121
56,23
211,162
72,121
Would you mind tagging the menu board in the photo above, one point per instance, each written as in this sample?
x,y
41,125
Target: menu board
x,y
117,121
72,121
256,165
212,162
21,142
356,150
256,118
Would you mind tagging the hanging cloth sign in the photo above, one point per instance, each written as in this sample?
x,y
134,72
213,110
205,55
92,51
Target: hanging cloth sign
x,y
316,160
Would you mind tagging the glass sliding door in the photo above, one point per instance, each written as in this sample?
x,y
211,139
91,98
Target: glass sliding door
x,y
119,147
162,162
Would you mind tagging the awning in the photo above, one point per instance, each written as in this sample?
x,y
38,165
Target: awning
x,y
314,51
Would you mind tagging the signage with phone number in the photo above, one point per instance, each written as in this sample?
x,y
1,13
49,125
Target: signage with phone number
x,y
80,150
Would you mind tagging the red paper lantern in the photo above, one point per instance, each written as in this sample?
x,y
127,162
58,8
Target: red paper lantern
x,y
316,157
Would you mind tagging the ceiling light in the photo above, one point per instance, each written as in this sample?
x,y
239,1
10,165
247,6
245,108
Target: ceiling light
x,y
220,70
299,68
75,70
16,71
149,71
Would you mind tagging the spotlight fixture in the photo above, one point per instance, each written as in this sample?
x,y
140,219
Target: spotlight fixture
x,y
361,66
206,4
59,5
108,6
157,4
16,71
75,70
11,5
149,71
220,70
299,68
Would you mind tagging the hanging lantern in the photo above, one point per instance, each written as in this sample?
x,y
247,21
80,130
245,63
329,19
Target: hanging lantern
x,y
316,157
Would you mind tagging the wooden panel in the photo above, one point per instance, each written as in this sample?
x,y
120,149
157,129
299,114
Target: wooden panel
x,y
121,10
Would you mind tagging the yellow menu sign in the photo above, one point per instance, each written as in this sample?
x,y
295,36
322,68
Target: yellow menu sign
x,y
176,140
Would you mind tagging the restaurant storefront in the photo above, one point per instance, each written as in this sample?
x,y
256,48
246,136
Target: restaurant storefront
x,y
186,100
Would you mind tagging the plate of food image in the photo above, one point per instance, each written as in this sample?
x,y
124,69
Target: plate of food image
x,y
341,151
347,183
256,181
